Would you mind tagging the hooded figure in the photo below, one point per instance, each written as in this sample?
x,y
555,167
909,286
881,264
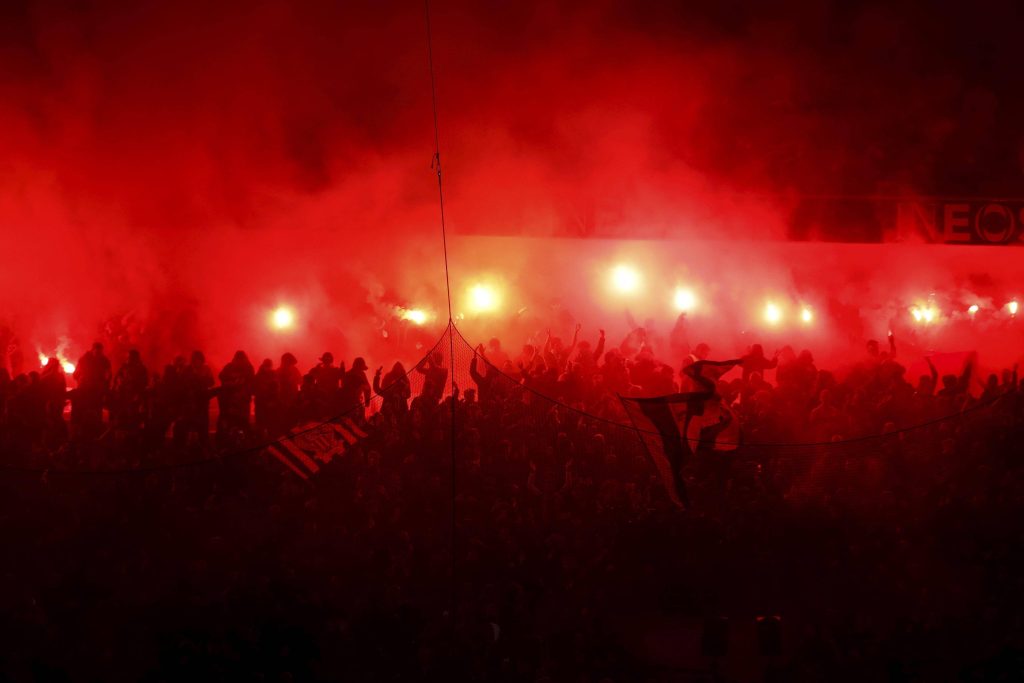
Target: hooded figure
x,y
395,389
289,379
92,372
266,392
355,388
324,379
235,397
129,392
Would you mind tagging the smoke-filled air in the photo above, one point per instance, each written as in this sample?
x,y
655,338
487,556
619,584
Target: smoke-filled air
x,y
259,175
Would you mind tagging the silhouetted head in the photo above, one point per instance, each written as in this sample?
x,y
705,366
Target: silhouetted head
x,y
702,351
494,344
97,348
872,347
240,357
359,364
198,358
267,364
398,368
288,360
133,356
327,358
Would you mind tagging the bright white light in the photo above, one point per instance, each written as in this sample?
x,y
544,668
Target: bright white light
x,y
924,314
282,318
68,366
415,316
772,313
625,279
483,298
806,314
1012,307
685,299
973,308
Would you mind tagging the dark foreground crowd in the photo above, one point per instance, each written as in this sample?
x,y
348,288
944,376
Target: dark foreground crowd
x,y
528,539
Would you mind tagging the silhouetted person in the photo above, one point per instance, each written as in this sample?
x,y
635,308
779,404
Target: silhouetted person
x,y
434,376
485,380
495,354
755,361
289,381
168,403
129,393
53,391
355,389
953,394
325,380
556,355
27,410
92,373
266,392
235,395
196,383
678,343
395,390
686,383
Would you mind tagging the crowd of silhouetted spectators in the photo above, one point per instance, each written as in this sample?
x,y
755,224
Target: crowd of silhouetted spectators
x,y
513,531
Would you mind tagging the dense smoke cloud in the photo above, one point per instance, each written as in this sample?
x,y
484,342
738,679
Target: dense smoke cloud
x,y
189,165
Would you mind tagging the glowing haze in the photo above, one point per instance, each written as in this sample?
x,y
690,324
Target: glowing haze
x,y
174,173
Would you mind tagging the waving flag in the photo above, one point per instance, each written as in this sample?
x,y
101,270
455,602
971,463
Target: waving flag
x,y
307,447
673,427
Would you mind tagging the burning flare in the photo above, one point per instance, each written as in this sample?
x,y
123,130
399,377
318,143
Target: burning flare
x,y
685,300
625,279
282,318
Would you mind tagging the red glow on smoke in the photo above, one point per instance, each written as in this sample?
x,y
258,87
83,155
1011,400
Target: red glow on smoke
x,y
171,193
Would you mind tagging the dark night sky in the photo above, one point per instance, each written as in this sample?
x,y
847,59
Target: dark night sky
x,y
192,112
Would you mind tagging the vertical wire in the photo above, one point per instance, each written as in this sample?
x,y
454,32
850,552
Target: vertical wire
x,y
436,164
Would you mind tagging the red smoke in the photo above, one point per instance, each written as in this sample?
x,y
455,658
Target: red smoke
x,y
192,165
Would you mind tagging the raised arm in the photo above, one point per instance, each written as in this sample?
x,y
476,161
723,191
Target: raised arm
x,y
575,339
599,349
934,373
963,383
477,377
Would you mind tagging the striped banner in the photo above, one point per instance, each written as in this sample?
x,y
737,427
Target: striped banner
x,y
307,447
